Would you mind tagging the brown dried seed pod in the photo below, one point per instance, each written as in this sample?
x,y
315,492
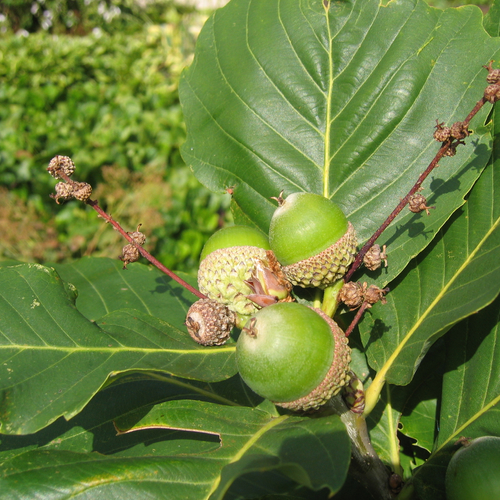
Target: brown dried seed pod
x,y
451,151
63,190
493,74
442,133
374,257
460,130
130,253
60,164
417,203
82,191
137,236
373,294
209,322
492,93
352,294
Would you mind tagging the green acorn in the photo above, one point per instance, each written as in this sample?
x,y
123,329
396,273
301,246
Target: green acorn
x,y
237,270
312,239
293,355
474,470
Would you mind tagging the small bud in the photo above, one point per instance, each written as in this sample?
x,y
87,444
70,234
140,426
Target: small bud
x,y
460,130
209,322
354,394
82,191
130,253
352,294
492,93
451,151
61,164
493,74
374,294
137,236
395,483
374,257
63,190
417,203
442,133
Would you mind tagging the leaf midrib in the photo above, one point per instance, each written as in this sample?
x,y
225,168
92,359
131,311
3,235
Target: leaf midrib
x,y
113,349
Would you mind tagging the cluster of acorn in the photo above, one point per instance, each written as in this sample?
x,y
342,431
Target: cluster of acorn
x,y
287,352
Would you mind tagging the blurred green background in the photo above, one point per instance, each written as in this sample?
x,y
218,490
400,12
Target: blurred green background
x,y
97,80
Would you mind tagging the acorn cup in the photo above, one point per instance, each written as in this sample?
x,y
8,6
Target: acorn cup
x,y
312,239
238,270
293,355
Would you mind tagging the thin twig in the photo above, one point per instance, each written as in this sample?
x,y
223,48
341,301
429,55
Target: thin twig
x,y
365,305
432,165
94,204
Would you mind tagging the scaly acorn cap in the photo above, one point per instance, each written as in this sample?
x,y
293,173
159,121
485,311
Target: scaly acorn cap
x,y
326,267
312,239
337,376
209,322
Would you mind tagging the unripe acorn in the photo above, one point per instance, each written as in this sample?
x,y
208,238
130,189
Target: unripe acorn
x,y
312,239
293,355
226,272
234,236
474,470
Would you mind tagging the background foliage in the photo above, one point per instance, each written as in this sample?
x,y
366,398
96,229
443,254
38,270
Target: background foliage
x,y
109,101
97,80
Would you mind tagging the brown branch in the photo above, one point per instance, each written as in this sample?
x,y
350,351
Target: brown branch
x,y
356,319
94,204
416,187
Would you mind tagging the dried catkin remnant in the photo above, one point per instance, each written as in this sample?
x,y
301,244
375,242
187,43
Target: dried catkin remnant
x,y
492,93
460,130
442,133
130,253
374,294
374,257
61,164
352,294
82,191
137,236
493,74
418,203
64,191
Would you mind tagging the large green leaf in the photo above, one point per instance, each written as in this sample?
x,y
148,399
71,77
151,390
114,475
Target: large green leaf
x,y
315,452
103,286
471,394
338,98
470,401
53,359
409,413
217,445
456,276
